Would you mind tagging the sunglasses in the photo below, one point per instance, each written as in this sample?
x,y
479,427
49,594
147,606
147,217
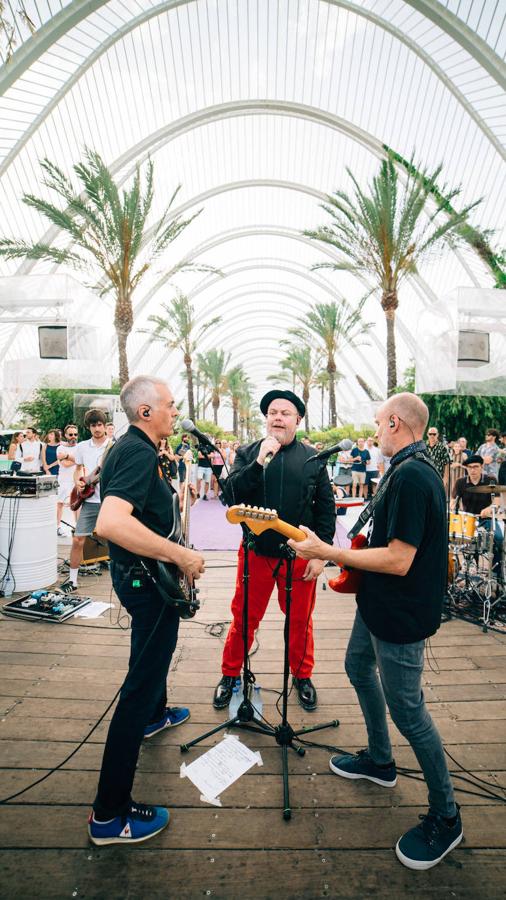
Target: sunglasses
x,y
71,433
432,433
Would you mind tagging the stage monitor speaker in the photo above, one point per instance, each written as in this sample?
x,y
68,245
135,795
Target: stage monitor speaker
x,y
53,342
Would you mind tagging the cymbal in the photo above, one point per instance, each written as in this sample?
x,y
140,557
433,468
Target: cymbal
x,y
486,488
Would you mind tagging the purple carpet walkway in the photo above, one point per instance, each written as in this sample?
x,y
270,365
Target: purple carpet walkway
x,y
210,530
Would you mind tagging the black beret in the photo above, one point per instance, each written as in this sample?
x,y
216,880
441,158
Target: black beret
x,y
283,395
475,458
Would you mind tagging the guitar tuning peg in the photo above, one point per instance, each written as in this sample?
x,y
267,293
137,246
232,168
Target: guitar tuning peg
x,y
261,509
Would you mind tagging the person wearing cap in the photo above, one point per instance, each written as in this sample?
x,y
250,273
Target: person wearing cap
x,y
277,473
479,504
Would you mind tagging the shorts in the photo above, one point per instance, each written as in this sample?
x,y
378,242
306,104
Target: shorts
x,y
204,474
357,477
370,475
87,519
64,492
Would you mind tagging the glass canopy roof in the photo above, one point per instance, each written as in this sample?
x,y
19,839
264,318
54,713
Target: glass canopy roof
x,y
256,107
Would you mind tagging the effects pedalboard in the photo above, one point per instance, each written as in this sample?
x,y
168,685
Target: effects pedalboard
x,y
49,606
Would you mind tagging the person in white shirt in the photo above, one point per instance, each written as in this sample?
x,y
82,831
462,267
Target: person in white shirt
x,y
88,457
66,473
374,467
29,453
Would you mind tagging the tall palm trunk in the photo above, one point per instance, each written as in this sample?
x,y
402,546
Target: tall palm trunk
x,y
123,323
305,398
235,414
216,406
323,405
189,382
389,304
331,369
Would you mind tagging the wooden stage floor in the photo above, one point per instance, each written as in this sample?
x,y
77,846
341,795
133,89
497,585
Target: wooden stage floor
x,y
56,680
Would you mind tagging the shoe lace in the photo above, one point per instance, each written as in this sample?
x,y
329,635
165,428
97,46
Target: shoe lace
x,y
142,811
430,826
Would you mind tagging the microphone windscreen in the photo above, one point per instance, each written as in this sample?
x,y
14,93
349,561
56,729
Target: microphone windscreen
x,y
187,425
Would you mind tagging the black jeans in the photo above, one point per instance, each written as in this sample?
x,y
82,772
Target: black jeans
x,y
143,695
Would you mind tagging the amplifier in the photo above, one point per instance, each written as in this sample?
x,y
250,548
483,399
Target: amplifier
x,y
27,485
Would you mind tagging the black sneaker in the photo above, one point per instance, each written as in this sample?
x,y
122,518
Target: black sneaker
x,y
360,765
223,691
425,845
68,587
306,693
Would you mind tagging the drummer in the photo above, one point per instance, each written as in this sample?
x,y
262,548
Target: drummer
x,y
476,503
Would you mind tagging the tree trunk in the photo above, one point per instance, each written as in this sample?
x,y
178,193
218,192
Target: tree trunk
x,y
216,406
189,381
323,406
389,304
331,369
123,323
305,398
235,414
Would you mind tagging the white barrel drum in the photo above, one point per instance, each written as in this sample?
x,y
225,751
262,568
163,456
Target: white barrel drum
x,y
28,524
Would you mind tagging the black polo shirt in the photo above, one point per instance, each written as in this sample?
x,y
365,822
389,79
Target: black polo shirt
x,y
405,609
132,473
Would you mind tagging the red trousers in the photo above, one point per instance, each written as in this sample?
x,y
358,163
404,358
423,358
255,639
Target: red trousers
x,y
261,584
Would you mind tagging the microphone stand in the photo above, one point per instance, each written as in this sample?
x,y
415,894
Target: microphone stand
x,y
246,717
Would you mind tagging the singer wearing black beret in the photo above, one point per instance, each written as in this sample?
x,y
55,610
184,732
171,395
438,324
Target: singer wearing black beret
x,y
277,473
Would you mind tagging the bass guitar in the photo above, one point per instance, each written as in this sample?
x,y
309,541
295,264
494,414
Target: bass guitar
x,y
175,587
259,519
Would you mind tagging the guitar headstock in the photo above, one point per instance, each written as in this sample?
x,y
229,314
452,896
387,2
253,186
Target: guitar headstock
x,y
256,518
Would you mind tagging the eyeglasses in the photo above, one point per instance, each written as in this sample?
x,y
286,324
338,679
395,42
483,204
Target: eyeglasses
x,y
432,433
71,433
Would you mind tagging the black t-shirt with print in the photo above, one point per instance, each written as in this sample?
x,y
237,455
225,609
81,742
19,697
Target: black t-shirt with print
x,y
132,473
405,609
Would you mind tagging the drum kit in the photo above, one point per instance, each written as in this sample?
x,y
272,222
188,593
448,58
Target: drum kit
x,y
477,563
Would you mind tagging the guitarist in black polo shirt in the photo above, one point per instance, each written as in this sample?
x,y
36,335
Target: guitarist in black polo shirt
x,y
136,515
399,605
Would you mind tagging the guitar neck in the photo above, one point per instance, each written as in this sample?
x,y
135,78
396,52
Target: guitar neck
x,y
289,531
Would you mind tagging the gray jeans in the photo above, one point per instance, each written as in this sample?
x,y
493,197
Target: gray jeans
x,y
400,669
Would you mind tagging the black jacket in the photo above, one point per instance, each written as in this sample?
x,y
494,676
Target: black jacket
x,y
298,490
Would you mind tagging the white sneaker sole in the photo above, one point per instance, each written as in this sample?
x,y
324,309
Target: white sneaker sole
x,y
355,777
420,865
167,725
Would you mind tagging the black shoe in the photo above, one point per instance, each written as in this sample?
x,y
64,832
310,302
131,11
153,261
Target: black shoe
x,y
223,691
68,587
306,691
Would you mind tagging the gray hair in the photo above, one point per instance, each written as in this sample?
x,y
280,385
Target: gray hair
x,y
138,391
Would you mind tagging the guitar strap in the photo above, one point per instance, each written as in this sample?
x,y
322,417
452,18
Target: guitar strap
x,y
417,450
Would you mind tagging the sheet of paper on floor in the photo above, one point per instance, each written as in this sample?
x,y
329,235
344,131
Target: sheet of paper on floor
x,y
217,769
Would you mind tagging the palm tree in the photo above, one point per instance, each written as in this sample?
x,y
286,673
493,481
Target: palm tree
x,y
300,366
213,366
387,232
177,331
322,381
239,390
106,232
334,325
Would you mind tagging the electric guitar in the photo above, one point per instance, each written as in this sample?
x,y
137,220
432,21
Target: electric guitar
x,y
175,587
78,497
348,581
259,519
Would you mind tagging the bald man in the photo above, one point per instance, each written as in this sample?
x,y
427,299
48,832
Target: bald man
x,y
399,605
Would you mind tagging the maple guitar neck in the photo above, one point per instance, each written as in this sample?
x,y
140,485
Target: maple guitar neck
x,y
259,519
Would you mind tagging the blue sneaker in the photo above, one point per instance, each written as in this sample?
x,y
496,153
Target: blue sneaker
x,y
174,715
360,765
425,845
139,824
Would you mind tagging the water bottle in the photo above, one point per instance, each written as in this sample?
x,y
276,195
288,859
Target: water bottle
x,y
8,584
256,700
235,700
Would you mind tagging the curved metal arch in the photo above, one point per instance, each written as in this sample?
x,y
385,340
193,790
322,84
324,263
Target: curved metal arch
x,y
239,315
168,5
463,35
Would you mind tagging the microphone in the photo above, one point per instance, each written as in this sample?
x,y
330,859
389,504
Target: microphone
x,y
267,459
323,454
188,425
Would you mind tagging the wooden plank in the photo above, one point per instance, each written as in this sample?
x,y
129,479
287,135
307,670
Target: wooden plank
x,y
119,873
234,829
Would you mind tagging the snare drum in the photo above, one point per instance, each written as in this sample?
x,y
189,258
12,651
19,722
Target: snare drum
x,y
462,526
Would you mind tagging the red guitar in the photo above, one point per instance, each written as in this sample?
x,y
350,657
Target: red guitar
x,y
78,497
348,581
